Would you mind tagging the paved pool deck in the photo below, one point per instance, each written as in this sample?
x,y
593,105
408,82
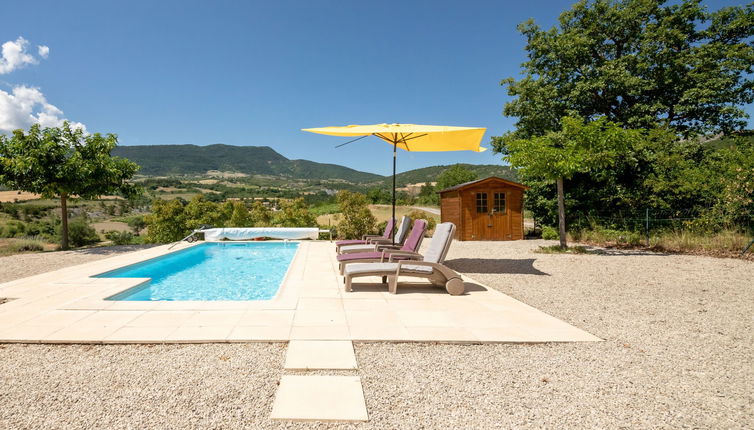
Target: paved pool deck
x,y
69,306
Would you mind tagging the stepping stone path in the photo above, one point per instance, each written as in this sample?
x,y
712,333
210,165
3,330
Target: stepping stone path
x,y
320,397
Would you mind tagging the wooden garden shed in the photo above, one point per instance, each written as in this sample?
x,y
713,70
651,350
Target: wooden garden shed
x,y
487,209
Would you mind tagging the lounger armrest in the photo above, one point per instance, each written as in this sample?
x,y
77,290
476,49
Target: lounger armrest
x,y
370,236
410,255
387,247
445,270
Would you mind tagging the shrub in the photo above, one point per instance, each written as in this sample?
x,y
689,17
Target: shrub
x,y
357,220
295,214
120,237
80,233
549,233
417,214
137,224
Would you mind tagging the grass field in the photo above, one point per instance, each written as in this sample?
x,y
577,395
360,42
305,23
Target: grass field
x,y
381,212
12,196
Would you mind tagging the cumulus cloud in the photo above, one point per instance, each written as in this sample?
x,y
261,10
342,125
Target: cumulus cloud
x,y
14,55
25,106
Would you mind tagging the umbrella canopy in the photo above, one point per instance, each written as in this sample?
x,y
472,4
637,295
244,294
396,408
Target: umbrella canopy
x,y
413,137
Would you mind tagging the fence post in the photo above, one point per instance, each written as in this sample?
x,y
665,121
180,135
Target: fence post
x,y
646,226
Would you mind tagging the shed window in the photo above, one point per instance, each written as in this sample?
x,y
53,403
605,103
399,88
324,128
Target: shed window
x,y
481,203
499,202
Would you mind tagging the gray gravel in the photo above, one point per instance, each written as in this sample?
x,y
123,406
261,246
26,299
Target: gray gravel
x,y
678,353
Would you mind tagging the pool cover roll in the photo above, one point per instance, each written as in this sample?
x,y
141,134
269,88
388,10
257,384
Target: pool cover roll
x,y
248,233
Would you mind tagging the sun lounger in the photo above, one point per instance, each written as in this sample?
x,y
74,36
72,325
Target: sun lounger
x,y
389,227
400,237
429,266
412,244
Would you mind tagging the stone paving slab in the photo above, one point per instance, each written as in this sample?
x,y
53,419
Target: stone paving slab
x,y
68,305
319,398
320,354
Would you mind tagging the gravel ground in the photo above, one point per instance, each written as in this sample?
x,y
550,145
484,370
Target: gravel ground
x,y
678,353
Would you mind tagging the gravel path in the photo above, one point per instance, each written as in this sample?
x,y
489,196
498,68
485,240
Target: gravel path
x,y
678,353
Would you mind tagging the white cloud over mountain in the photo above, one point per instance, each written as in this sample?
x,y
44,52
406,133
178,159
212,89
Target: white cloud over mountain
x,y
25,105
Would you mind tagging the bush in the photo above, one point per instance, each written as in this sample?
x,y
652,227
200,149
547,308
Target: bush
x,y
549,233
417,214
120,237
357,220
26,245
80,233
295,214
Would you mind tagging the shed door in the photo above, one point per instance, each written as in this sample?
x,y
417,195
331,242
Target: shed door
x,y
500,215
490,215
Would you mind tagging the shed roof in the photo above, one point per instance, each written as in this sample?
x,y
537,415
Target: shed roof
x,y
479,181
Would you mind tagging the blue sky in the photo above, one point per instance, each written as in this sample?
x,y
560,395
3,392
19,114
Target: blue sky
x,y
255,73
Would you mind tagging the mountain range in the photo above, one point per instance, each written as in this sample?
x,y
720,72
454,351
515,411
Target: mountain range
x,y
193,160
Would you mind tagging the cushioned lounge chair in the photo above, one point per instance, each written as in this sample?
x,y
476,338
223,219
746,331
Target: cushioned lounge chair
x,y
412,244
428,266
400,237
389,227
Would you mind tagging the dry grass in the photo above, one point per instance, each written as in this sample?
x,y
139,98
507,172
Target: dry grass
x,y
22,245
12,196
381,212
724,244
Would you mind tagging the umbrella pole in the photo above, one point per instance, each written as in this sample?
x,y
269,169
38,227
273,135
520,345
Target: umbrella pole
x,y
395,147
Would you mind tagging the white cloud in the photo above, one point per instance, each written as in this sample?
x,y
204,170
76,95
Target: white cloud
x,y
44,51
14,55
25,106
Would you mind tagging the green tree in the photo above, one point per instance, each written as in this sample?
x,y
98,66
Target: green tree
x,y
137,224
357,220
558,155
241,217
62,162
453,176
167,221
379,196
295,213
640,63
428,195
261,215
199,211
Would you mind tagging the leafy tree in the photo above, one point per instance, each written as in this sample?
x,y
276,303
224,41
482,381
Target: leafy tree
x,y
62,162
261,215
640,63
379,196
167,221
199,212
453,176
677,68
295,213
241,217
137,224
357,219
428,195
577,148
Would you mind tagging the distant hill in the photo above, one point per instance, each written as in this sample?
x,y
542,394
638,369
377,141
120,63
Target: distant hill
x,y
180,160
193,160
430,174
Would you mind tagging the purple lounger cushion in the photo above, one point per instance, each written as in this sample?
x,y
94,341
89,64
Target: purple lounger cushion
x,y
412,244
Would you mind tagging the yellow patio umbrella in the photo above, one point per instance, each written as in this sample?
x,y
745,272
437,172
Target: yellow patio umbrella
x,y
412,137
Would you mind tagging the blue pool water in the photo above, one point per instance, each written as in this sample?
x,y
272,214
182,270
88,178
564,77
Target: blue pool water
x,y
211,271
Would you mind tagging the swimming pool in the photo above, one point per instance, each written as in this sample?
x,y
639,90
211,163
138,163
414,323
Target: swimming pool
x,y
210,271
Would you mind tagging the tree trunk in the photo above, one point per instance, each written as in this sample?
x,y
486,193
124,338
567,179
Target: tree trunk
x,y
561,214
64,219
